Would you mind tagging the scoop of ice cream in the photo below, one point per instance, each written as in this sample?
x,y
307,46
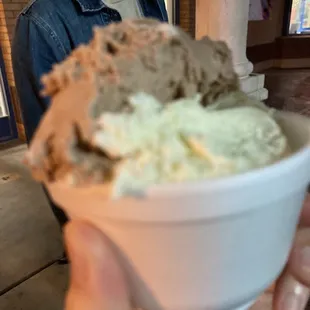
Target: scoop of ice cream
x,y
185,142
123,59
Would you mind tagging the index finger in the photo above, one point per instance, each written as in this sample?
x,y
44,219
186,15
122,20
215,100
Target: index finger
x,y
97,281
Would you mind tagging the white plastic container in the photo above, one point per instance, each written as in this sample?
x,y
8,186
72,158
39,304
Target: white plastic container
x,y
210,245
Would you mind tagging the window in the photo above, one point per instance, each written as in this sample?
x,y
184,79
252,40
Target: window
x,y
298,16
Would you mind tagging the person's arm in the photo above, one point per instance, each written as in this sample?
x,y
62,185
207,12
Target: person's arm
x,y
35,49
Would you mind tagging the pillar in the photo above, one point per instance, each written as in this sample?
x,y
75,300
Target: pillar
x,y
227,20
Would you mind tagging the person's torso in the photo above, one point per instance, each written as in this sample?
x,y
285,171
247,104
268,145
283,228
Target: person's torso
x,y
126,8
72,21
48,30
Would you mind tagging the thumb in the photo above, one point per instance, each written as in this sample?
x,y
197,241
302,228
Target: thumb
x,y
96,280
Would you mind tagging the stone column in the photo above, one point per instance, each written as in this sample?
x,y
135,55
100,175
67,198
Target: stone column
x,y
227,20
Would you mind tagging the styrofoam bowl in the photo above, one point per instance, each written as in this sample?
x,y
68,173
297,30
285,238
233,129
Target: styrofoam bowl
x,y
209,245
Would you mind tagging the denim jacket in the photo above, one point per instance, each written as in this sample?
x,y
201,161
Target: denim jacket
x,y
46,32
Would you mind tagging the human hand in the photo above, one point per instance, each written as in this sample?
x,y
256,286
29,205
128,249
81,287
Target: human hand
x,y
291,291
96,280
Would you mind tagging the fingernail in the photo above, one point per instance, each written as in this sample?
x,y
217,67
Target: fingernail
x,y
295,295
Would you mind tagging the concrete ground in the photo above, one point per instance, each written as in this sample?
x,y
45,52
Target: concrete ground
x,y
30,240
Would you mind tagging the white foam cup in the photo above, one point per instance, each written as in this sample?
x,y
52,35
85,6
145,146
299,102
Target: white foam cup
x,y
210,245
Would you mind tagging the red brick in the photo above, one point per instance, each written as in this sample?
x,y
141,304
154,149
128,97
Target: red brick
x,y
3,29
10,76
13,6
8,14
5,43
10,21
4,36
9,68
7,57
15,13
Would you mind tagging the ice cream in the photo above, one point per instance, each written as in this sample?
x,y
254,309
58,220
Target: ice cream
x,y
130,108
184,141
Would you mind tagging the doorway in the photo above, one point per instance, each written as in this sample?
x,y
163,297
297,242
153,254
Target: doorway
x,y
8,129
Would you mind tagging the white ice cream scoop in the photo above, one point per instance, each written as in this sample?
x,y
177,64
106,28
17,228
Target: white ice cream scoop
x,y
208,245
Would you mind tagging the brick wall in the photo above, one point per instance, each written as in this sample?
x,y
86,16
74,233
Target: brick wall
x,y
188,15
9,10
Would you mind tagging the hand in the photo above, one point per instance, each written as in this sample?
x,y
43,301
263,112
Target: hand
x,y
96,281
291,291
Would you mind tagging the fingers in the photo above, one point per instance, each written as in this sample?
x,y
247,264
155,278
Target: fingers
x,y
305,214
299,262
97,281
292,291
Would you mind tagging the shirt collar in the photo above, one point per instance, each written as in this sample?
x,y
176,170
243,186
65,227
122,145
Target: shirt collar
x,y
91,5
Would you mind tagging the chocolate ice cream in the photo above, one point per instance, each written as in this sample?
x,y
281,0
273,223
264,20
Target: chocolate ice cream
x,y
122,60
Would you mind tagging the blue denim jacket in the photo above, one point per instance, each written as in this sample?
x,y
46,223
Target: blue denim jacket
x,y
46,33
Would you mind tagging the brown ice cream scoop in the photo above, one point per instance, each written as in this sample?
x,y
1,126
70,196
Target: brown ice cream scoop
x,y
121,60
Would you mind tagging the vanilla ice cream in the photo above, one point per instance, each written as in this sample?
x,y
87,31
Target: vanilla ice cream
x,y
183,141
